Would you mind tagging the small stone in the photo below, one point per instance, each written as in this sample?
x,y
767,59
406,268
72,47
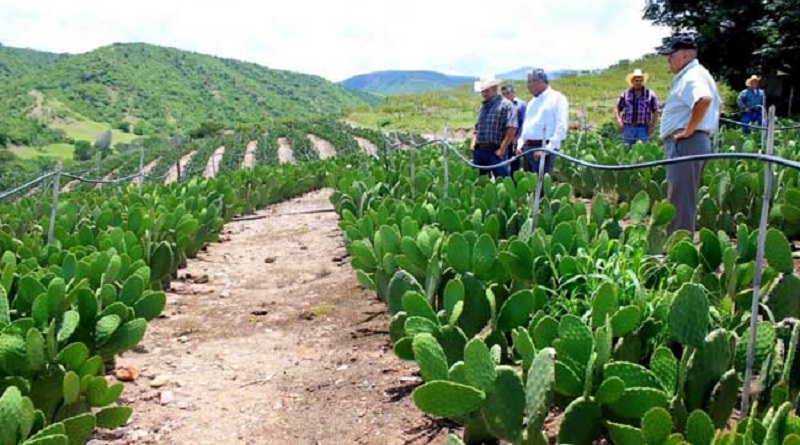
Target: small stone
x,y
126,374
225,293
277,406
342,368
159,381
182,405
183,339
202,279
166,397
270,259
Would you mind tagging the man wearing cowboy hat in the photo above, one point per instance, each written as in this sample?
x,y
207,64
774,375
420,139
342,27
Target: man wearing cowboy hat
x,y
637,109
750,101
495,128
690,114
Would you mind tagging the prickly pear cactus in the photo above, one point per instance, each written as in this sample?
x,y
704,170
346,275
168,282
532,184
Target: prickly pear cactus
x,y
664,365
765,345
782,298
689,315
479,367
447,399
778,252
635,402
430,358
581,423
723,399
699,428
539,387
504,407
656,426
706,367
632,375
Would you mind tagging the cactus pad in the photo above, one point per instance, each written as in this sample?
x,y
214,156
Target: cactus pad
x,y
782,298
778,252
516,311
626,320
706,367
430,358
504,407
415,305
539,387
689,315
635,402
605,303
610,390
479,367
581,423
699,428
664,365
765,345
545,332
447,399
622,434
723,399
458,255
567,381
633,375
656,426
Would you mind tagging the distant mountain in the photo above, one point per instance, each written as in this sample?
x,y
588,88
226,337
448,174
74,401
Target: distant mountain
x,y
152,88
522,73
395,82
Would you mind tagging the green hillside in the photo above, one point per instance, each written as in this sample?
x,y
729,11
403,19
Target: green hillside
x,y
152,89
595,94
15,62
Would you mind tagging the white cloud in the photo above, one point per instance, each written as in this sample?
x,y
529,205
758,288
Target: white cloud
x,y
340,38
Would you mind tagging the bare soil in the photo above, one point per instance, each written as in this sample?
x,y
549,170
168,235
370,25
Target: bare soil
x,y
250,154
146,169
173,171
367,146
323,147
267,338
214,161
285,154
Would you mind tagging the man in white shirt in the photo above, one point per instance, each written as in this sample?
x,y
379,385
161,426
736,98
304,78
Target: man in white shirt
x,y
546,121
690,115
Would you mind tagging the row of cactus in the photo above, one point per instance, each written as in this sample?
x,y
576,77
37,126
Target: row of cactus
x,y
68,309
638,322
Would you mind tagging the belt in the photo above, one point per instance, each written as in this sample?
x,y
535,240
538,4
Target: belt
x,y
636,125
535,143
487,146
672,133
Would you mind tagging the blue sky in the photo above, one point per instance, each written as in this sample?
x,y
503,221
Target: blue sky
x,y
337,39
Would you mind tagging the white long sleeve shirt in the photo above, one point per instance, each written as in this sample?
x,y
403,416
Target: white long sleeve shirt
x,y
546,118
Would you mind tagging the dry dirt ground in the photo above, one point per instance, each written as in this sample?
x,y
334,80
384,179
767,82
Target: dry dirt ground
x,y
250,155
172,176
214,163
267,338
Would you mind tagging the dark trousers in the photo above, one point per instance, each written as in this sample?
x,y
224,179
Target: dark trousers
x,y
684,179
485,156
750,117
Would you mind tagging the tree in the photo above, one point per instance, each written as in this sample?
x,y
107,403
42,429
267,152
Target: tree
x,y
737,38
84,151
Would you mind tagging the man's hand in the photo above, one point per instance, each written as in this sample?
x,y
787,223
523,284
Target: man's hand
x,y
500,152
537,154
650,131
620,126
684,134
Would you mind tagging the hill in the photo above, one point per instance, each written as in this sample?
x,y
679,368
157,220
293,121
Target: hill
x,y
522,73
592,94
149,89
396,82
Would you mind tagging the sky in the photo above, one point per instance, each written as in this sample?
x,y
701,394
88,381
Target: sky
x,y
337,39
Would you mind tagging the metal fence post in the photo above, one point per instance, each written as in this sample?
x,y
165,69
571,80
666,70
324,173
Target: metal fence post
x,y
141,168
762,233
51,230
445,165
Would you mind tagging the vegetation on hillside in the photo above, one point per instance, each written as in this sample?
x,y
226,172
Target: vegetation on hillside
x,y
147,89
593,94
394,82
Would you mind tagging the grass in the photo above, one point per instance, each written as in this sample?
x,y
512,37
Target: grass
x,y
85,130
59,151
593,94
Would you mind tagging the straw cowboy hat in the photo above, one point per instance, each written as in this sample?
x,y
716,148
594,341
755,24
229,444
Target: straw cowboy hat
x,y
637,73
485,83
751,79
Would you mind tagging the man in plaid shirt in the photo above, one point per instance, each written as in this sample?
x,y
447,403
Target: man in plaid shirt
x,y
637,109
495,128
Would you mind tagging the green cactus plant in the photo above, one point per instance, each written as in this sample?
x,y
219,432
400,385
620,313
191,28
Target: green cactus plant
x,y
479,367
656,426
447,399
689,315
706,367
723,398
764,346
581,423
430,357
699,428
503,409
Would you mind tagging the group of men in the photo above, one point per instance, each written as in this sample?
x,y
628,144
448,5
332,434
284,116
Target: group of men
x,y
688,117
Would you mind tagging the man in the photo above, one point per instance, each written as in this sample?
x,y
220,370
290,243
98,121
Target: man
x,y
546,121
750,102
507,91
637,109
495,128
690,114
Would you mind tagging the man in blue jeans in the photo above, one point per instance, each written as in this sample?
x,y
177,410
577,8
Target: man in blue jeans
x,y
637,109
750,101
495,129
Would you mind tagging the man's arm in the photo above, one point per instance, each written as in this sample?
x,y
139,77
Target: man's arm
x,y
740,99
511,134
562,123
617,115
698,113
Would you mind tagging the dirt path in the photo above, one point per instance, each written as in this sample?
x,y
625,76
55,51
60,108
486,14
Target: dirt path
x,y
324,148
250,155
367,146
146,169
112,175
173,171
268,339
213,164
285,154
